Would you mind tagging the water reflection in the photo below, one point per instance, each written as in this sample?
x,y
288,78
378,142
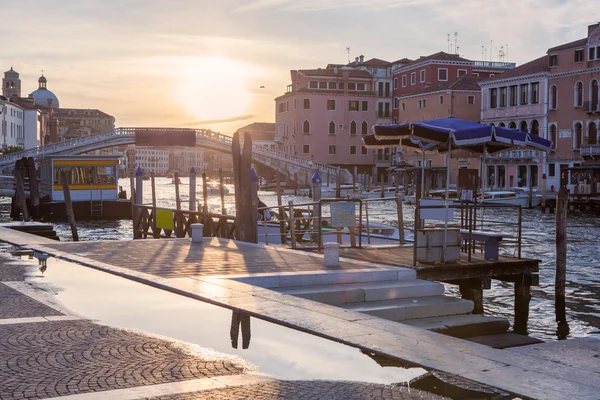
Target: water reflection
x,y
240,320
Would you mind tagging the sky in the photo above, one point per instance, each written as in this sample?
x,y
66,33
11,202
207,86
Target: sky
x,y
219,64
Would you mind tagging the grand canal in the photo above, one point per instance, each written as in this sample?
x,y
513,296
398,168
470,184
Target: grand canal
x,y
583,270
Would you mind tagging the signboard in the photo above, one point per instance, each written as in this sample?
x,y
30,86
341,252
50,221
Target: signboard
x,y
343,214
164,219
468,178
564,133
466,195
437,214
165,137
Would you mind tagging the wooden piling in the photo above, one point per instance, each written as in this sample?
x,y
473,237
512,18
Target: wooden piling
x,y
177,198
400,218
155,231
64,181
337,184
242,163
561,262
21,199
522,299
280,209
543,193
222,192
206,219
192,189
34,194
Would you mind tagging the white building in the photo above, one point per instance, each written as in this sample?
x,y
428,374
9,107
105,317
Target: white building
x,y
151,159
12,123
183,160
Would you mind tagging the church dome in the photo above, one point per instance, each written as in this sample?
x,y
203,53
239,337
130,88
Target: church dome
x,y
42,95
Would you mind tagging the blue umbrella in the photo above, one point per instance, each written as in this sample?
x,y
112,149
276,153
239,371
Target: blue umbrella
x,y
393,131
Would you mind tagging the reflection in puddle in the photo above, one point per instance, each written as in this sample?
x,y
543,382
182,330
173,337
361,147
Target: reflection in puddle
x,y
275,350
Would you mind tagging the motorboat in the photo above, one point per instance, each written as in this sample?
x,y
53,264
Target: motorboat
x,y
509,197
374,234
345,190
175,180
214,188
388,192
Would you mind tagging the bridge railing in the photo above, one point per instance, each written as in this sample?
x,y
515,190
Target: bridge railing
x,y
87,141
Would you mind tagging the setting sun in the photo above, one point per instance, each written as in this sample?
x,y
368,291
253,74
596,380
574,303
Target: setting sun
x,y
213,88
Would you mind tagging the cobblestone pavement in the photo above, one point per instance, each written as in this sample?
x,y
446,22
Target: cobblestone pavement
x,y
327,390
51,359
177,258
11,269
14,304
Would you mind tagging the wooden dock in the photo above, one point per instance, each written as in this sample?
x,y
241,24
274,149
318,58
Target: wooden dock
x,y
471,277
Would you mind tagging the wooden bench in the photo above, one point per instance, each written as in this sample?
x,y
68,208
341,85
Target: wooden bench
x,y
491,241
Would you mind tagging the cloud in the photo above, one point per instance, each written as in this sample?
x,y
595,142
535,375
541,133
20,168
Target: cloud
x,y
316,5
220,121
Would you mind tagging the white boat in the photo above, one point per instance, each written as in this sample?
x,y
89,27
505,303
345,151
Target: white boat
x,y
378,234
213,188
345,190
389,191
509,197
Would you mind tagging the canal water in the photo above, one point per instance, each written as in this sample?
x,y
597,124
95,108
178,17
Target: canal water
x,y
583,268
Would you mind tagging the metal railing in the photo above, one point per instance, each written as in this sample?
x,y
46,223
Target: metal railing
x,y
310,225
472,221
589,150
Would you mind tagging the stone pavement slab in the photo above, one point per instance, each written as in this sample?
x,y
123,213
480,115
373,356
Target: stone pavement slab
x,y
173,258
50,359
14,304
305,390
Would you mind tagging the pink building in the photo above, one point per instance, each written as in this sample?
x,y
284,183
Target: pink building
x,y
325,112
517,99
574,103
438,86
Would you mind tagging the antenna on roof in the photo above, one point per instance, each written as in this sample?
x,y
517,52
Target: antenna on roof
x,y
482,50
456,42
448,43
491,48
501,53
348,51
506,52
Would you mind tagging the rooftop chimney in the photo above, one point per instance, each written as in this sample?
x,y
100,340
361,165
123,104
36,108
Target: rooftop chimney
x,y
362,59
356,59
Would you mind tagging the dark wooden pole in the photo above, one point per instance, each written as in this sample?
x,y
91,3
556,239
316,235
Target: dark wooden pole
x,y
20,194
561,262
280,210
155,232
64,181
205,214
237,185
34,193
222,192
177,199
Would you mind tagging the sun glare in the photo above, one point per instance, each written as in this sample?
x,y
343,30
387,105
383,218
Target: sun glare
x,y
213,88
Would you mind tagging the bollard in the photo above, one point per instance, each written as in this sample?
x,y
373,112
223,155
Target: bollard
x,y
197,233
332,254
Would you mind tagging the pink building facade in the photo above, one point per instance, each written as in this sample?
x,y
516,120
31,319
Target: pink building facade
x,y
325,112
574,103
517,99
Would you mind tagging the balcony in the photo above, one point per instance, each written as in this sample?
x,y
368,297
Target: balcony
x,y
493,64
517,155
590,150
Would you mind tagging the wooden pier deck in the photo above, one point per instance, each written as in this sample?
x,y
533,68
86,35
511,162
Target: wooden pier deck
x,y
520,374
471,277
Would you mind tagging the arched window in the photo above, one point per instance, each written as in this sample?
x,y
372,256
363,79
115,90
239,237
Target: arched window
x,y
353,128
553,136
592,133
502,125
535,127
594,96
553,97
523,126
578,135
365,128
492,124
332,128
579,94
512,125
306,127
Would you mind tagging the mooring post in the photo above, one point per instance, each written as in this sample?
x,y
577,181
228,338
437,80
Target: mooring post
x,y
34,193
20,193
64,181
561,262
400,218
280,209
222,192
543,193
155,232
134,219
354,178
316,183
338,175
177,198
254,209
206,219
192,199
139,187
522,299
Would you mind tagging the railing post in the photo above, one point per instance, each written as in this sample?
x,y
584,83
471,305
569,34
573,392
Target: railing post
x,y
520,221
292,224
400,218
192,199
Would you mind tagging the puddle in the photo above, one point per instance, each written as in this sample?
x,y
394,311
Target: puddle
x,y
281,352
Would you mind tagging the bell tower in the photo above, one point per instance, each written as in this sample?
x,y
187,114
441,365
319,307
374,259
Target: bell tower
x,y
11,84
